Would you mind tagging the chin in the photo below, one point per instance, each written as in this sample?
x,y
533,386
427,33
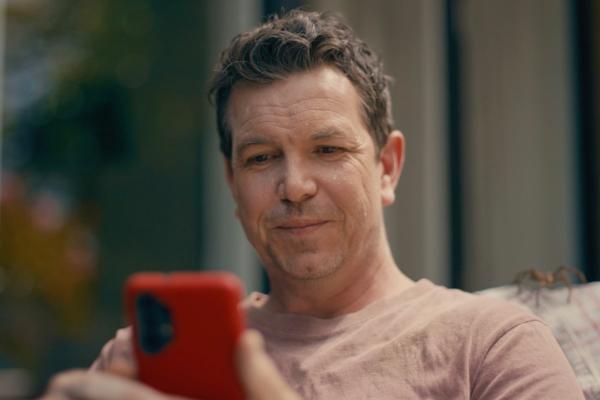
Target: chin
x,y
311,267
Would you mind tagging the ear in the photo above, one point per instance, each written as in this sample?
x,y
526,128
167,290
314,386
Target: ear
x,y
391,159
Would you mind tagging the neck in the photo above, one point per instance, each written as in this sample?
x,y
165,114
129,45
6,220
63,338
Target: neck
x,y
345,291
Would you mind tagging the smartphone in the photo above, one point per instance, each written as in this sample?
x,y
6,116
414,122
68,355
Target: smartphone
x,y
185,329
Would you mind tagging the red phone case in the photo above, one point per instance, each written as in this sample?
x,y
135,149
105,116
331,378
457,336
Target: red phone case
x,y
185,329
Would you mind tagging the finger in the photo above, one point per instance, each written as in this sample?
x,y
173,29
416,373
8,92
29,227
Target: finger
x,y
258,373
53,396
86,385
122,364
122,368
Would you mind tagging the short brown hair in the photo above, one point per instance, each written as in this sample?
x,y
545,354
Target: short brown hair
x,y
299,41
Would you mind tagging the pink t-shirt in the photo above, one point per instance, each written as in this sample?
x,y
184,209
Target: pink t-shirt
x,y
426,342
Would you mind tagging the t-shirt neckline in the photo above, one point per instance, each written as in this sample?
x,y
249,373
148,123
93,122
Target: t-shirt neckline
x,y
297,325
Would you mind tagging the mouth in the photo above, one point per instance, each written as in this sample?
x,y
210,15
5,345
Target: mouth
x,y
301,227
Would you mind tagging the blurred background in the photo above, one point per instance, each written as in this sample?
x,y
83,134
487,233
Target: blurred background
x,y
110,165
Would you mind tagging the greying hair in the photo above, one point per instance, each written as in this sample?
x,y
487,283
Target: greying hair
x,y
299,41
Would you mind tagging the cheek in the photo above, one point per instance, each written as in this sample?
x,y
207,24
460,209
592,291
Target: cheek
x,y
351,189
254,197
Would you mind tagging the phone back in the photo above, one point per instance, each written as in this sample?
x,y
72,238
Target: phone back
x,y
185,329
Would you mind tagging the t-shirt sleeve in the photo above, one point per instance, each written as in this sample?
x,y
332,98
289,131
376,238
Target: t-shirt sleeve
x,y
525,363
118,349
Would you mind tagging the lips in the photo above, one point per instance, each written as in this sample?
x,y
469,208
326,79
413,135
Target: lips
x,y
301,226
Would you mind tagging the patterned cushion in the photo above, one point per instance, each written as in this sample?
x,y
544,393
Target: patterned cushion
x,y
576,324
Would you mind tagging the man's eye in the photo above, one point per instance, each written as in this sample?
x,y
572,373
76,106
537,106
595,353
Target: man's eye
x,y
329,149
258,159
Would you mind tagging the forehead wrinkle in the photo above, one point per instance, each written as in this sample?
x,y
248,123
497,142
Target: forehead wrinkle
x,y
293,104
272,108
334,91
333,120
262,120
316,114
286,118
359,113
291,110
316,105
315,98
328,133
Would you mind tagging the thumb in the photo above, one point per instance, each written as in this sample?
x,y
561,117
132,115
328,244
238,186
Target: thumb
x,y
258,373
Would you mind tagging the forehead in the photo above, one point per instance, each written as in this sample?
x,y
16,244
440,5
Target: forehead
x,y
304,98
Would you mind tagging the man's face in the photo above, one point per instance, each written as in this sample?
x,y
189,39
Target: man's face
x,y
305,174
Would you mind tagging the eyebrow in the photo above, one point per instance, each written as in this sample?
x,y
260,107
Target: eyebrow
x,y
251,141
261,140
328,134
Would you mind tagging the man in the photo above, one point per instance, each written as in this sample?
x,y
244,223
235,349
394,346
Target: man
x,y
311,157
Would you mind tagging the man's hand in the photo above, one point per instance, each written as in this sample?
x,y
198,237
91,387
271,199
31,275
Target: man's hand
x,y
256,370
85,385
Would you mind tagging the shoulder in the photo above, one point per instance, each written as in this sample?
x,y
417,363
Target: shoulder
x,y
472,322
483,315
525,362
510,350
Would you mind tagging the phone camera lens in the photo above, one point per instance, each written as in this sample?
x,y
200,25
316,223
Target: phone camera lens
x,y
154,323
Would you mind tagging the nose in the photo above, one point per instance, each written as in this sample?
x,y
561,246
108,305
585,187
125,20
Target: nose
x,y
297,182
